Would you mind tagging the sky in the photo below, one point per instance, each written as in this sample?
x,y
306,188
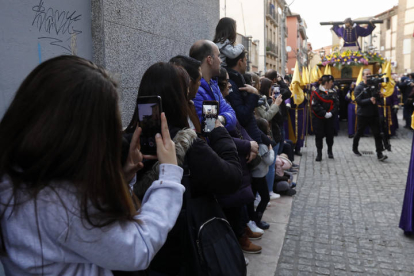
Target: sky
x,y
316,11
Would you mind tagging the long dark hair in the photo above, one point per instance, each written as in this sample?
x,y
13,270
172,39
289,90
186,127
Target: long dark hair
x,y
190,64
165,80
64,125
265,85
222,79
226,29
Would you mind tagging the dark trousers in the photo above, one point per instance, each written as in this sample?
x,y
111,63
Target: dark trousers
x,y
259,185
288,149
373,123
234,217
407,112
323,128
383,126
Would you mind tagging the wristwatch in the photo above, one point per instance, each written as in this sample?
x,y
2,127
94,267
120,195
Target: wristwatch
x,y
222,120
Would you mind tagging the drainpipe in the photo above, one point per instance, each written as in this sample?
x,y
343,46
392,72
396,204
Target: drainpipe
x,y
265,36
283,31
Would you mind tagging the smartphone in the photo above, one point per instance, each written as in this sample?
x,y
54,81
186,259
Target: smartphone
x,y
149,119
210,115
276,91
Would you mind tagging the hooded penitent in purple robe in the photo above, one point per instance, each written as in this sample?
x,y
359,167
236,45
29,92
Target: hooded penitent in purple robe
x,y
295,127
391,104
407,214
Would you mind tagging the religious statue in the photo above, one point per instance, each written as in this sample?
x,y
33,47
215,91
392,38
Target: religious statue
x,y
352,31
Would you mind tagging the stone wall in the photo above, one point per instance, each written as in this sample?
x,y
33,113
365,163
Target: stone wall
x,y
129,36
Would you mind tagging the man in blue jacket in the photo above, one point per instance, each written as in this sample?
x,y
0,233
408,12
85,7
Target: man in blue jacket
x,y
208,54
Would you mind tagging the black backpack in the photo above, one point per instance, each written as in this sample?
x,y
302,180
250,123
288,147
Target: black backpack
x,y
211,247
202,242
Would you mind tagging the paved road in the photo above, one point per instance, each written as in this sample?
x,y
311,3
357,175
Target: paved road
x,y
345,217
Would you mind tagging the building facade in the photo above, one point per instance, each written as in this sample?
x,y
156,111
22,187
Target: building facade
x,y
297,41
262,22
385,36
405,34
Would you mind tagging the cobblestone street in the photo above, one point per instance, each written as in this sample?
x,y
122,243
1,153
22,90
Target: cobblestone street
x,y
345,216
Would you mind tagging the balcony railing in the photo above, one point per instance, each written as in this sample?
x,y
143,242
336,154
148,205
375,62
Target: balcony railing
x,y
272,14
272,48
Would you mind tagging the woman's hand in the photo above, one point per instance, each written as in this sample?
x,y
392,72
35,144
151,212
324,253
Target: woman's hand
x,y
249,89
278,101
165,146
134,159
254,150
218,124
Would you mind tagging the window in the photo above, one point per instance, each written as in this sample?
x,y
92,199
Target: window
x,y
407,46
388,23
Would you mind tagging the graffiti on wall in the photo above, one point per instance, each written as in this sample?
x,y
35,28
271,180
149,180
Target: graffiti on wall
x,y
57,27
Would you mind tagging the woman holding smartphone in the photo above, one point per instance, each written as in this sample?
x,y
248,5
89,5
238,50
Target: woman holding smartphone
x,y
214,168
66,207
267,112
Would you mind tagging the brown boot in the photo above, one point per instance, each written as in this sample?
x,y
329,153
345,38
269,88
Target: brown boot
x,y
248,247
253,235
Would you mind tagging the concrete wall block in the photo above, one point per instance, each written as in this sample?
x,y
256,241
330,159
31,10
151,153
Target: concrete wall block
x,y
127,104
131,13
141,33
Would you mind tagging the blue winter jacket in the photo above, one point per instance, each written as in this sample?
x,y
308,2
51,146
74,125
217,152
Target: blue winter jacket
x,y
212,92
244,104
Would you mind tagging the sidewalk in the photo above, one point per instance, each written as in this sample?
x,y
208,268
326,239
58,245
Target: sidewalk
x,y
277,215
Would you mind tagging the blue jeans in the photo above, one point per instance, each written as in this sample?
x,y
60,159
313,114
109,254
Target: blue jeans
x,y
270,177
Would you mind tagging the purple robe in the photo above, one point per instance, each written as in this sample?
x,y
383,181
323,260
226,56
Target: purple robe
x,y
390,115
301,124
407,214
350,36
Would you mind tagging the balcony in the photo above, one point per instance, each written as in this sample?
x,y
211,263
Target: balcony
x,y
272,49
271,14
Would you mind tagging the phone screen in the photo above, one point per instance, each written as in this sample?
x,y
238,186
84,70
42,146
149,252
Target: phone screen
x,y
149,117
210,114
276,91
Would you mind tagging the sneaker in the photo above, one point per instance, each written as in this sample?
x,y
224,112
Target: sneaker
x,y
382,157
249,247
298,153
295,165
246,260
263,225
292,170
289,192
356,152
293,185
253,227
253,235
273,195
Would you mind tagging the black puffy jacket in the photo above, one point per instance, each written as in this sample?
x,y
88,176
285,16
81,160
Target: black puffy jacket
x,y
363,97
